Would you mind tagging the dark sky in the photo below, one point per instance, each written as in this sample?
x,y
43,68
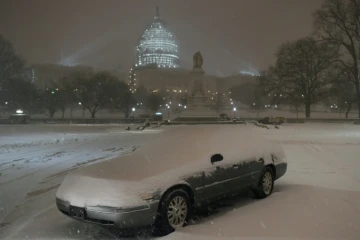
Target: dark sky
x,y
231,34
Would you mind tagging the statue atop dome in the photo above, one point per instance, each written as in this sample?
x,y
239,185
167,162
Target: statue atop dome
x,y
157,12
198,60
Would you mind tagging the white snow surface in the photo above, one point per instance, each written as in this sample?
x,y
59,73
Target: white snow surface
x,y
318,197
160,164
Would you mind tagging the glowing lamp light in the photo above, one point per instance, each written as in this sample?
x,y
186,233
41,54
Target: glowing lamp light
x,y
19,111
185,107
234,109
79,103
6,103
133,109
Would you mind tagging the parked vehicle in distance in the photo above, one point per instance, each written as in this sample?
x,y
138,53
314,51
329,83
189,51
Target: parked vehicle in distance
x,y
234,119
19,117
184,167
272,120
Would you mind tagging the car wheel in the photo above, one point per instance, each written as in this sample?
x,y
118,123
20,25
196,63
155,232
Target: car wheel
x,y
266,184
174,212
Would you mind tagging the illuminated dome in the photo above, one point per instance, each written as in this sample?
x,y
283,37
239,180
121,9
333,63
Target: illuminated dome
x,y
157,46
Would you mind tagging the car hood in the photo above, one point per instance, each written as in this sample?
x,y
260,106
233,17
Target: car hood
x,y
82,191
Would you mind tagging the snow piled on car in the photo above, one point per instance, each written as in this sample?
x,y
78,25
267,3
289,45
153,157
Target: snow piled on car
x,y
174,154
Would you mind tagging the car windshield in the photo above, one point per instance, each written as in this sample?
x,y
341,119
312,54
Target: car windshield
x,y
180,119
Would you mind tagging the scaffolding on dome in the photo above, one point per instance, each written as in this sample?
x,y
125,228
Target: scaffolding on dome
x,y
157,46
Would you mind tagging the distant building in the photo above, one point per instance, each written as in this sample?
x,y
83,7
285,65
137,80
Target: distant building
x,y
157,65
46,75
178,80
29,74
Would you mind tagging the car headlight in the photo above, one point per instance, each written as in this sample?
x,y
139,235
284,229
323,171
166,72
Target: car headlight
x,y
62,202
146,195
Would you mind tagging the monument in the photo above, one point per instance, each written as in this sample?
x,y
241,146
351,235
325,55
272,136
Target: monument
x,y
199,105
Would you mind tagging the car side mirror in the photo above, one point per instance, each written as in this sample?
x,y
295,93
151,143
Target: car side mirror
x,y
216,158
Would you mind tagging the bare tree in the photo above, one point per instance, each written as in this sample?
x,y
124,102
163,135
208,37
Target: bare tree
x,y
94,91
154,101
303,67
51,101
244,93
219,102
343,95
338,23
126,100
11,64
21,94
141,94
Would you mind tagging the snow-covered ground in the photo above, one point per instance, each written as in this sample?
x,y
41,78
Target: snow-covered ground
x,y
318,198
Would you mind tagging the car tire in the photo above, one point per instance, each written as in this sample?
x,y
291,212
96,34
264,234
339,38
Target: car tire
x,y
265,185
174,212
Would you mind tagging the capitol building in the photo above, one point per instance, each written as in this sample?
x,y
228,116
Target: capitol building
x,y
157,64
157,46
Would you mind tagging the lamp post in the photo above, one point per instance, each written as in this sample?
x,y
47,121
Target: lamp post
x,y
133,112
234,110
83,110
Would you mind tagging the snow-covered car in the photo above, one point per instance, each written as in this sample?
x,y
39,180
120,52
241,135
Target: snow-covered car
x,y
164,180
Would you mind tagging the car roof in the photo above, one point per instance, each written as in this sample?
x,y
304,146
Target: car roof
x,y
176,147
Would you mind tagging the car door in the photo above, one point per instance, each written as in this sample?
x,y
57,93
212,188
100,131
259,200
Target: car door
x,y
228,176
238,174
213,178
241,173
255,167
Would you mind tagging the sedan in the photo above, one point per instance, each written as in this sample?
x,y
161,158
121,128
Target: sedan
x,y
183,168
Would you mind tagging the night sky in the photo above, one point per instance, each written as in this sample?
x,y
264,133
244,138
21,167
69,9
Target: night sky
x,y
231,34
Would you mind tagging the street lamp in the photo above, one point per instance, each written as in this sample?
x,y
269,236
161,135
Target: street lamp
x,y
234,109
168,111
133,112
185,107
6,103
80,103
